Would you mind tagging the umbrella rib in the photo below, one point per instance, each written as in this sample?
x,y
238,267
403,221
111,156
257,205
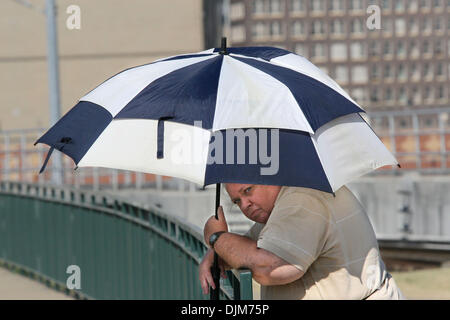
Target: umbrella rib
x,y
160,137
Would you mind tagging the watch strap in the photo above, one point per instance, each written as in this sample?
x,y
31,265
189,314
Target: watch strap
x,y
214,237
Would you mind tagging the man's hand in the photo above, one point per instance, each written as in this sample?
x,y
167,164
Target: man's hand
x,y
205,276
214,225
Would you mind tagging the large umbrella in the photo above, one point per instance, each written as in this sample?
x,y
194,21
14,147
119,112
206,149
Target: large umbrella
x,y
182,116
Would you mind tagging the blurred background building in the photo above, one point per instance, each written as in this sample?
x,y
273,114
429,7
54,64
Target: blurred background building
x,y
393,58
112,36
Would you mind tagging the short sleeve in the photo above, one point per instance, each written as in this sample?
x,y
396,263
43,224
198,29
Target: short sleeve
x,y
253,232
297,229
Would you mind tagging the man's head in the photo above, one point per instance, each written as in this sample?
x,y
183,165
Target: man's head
x,y
255,201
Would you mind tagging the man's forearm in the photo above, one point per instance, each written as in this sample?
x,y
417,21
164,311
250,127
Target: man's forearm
x,y
242,252
236,250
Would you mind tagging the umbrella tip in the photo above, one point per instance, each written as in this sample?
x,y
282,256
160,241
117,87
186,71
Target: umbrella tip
x,y
223,49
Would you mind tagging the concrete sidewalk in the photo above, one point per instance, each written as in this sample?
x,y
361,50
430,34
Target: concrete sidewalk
x,y
16,287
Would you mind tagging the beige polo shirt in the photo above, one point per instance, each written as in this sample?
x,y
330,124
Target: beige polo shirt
x,y
331,240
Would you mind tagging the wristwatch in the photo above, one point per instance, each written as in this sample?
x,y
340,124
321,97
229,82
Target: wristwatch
x,y
213,238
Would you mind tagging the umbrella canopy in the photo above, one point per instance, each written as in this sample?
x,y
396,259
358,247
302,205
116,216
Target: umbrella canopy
x,y
173,117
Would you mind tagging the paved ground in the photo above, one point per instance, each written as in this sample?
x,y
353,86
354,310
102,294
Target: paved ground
x,y
16,287
421,284
428,284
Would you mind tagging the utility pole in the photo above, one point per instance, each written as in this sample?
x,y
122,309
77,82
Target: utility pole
x,y
53,83
53,77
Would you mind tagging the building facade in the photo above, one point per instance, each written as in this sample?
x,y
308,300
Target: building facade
x,y
403,62
112,35
391,56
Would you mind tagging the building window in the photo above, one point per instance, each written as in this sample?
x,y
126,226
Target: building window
x,y
400,26
387,26
437,4
260,30
401,72
428,121
374,49
374,95
427,25
412,5
318,51
423,4
401,52
298,6
415,95
275,29
387,48
414,71
301,50
237,11
440,92
357,26
357,50
374,72
428,93
426,47
317,27
298,28
428,70
337,27
386,4
413,49
388,94
341,74
359,74
238,33
404,122
402,98
387,72
338,51
399,5
438,48
317,6
276,7
438,24
413,26
356,5
336,6
359,95
440,70
258,7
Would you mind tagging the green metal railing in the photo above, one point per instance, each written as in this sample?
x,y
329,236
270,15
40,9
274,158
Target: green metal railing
x,y
123,250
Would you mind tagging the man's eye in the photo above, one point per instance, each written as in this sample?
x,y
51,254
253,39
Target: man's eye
x,y
247,190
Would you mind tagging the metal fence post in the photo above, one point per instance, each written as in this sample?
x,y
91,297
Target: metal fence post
x,y
415,122
6,159
443,117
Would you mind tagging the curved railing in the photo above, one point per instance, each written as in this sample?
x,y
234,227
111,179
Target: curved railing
x,y
94,245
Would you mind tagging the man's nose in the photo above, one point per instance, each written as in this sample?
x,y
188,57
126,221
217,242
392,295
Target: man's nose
x,y
245,204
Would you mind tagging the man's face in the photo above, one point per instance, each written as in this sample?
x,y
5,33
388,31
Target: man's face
x,y
255,201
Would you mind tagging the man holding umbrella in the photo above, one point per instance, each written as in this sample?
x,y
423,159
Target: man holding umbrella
x,y
305,244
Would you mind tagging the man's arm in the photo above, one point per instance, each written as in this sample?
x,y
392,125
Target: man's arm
x,y
267,268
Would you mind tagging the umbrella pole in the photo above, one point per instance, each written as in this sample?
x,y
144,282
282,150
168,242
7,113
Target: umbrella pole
x,y
215,271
